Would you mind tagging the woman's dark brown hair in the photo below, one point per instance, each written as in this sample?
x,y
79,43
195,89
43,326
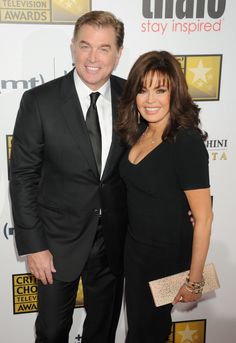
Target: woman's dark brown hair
x,y
183,111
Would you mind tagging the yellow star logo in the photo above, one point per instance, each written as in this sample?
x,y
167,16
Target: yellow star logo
x,y
187,334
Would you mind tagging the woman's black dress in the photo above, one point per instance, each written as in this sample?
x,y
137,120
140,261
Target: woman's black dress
x,y
159,240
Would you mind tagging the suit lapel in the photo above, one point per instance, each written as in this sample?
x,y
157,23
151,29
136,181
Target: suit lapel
x,y
115,149
74,118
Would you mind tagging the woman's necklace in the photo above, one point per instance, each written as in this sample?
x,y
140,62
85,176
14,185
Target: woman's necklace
x,y
152,139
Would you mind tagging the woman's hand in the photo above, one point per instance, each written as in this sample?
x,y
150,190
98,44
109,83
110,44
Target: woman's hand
x,y
185,295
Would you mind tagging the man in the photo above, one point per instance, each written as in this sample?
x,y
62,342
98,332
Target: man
x,y
68,201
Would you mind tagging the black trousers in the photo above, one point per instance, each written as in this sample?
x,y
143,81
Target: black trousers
x,y
102,301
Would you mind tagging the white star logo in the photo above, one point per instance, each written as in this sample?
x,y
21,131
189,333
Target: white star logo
x,y
200,72
187,334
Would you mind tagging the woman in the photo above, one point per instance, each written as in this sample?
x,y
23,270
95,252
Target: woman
x,y
166,174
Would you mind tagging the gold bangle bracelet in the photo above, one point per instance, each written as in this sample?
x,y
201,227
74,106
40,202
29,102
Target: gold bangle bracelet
x,y
195,285
192,290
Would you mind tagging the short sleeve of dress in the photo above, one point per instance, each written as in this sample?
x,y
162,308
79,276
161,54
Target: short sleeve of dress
x,y
191,160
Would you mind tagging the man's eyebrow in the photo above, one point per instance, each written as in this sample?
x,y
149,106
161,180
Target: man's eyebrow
x,y
84,42
101,46
105,46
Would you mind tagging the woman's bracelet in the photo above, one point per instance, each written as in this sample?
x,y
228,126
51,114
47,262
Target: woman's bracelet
x,y
194,287
195,284
195,291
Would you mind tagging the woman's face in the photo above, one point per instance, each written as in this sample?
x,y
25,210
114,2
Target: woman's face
x,y
153,101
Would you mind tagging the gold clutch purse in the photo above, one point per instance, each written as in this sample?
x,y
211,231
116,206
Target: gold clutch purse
x,y
165,289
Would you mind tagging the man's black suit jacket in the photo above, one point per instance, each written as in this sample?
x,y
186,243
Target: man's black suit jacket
x,y
55,188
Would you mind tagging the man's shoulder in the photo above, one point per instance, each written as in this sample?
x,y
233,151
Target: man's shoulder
x,y
51,86
117,82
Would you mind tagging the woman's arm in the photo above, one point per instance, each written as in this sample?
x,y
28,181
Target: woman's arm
x,y
200,205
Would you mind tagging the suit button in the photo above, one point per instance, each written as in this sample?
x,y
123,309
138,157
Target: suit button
x,y
102,185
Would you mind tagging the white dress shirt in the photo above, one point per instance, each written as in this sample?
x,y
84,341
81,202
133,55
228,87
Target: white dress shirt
x,y
104,108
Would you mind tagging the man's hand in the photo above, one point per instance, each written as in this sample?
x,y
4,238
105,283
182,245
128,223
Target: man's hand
x,y
41,266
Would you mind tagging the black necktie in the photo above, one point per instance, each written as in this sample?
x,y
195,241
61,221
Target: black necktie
x,y
94,131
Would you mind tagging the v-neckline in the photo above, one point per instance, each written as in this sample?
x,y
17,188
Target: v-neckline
x,y
148,154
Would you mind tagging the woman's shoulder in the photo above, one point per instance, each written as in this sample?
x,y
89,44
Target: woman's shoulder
x,y
189,141
188,136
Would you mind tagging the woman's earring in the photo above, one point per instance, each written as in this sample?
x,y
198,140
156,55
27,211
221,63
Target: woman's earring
x,y
138,118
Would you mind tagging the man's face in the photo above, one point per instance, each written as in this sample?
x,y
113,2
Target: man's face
x,y
95,54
